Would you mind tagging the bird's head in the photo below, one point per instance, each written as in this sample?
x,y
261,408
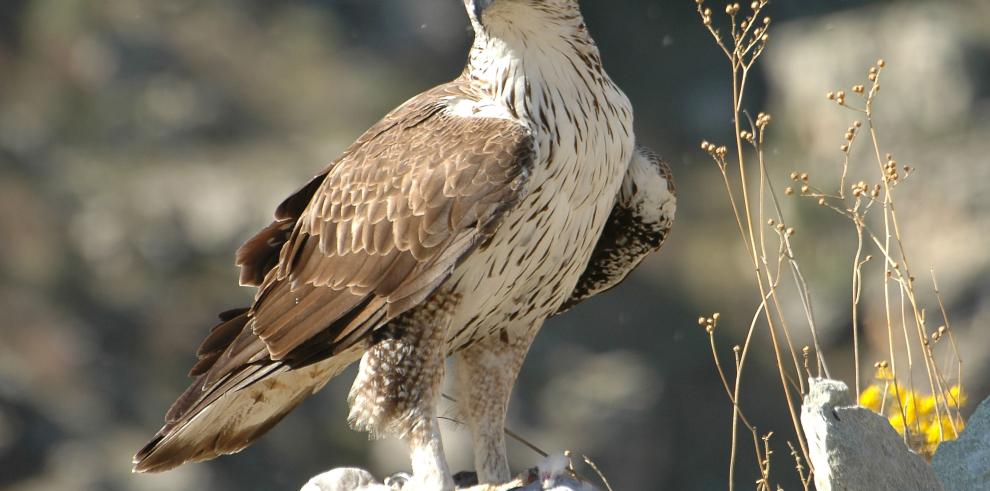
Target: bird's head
x,y
488,15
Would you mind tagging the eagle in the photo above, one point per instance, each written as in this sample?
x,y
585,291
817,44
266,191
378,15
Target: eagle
x,y
454,227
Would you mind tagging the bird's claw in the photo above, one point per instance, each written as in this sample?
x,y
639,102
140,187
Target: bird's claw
x,y
465,479
398,480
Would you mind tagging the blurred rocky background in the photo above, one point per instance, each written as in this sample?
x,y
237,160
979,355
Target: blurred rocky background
x,y
142,141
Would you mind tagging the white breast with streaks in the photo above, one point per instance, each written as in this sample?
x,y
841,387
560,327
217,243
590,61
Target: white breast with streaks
x,y
536,257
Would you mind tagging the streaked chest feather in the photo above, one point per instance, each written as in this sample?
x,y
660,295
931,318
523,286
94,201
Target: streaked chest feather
x,y
582,127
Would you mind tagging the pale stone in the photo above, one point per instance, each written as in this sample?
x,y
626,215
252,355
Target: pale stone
x,y
853,448
964,464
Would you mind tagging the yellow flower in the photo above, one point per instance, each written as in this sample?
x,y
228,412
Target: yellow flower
x,y
932,435
897,421
897,391
911,412
926,406
948,432
908,402
955,397
960,425
871,397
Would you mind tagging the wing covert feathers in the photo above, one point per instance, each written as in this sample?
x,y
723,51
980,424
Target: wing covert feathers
x,y
367,239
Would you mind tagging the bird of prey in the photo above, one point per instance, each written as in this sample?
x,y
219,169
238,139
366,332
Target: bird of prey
x,y
453,227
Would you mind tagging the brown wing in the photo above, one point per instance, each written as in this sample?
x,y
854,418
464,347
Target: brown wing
x,y
389,222
367,239
260,253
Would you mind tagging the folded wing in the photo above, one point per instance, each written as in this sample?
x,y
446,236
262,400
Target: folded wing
x,y
367,239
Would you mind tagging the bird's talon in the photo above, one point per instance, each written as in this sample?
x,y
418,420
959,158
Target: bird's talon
x,y
398,480
466,479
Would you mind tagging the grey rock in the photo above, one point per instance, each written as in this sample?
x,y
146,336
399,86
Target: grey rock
x,y
853,448
964,464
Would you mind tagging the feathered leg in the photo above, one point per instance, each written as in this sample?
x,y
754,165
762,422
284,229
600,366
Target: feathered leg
x,y
397,388
486,372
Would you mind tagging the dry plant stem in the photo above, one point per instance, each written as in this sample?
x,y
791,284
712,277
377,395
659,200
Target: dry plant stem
x,y
799,280
805,479
906,283
910,361
887,272
787,337
597,471
896,269
733,395
517,437
955,352
732,198
741,360
737,411
907,344
802,286
737,87
935,378
741,56
857,274
885,247
857,289
906,290
766,466
763,255
511,434
955,403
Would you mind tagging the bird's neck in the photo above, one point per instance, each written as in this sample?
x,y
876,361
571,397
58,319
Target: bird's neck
x,y
515,63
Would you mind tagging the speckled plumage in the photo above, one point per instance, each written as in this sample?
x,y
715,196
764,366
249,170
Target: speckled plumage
x,y
455,226
399,376
637,226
